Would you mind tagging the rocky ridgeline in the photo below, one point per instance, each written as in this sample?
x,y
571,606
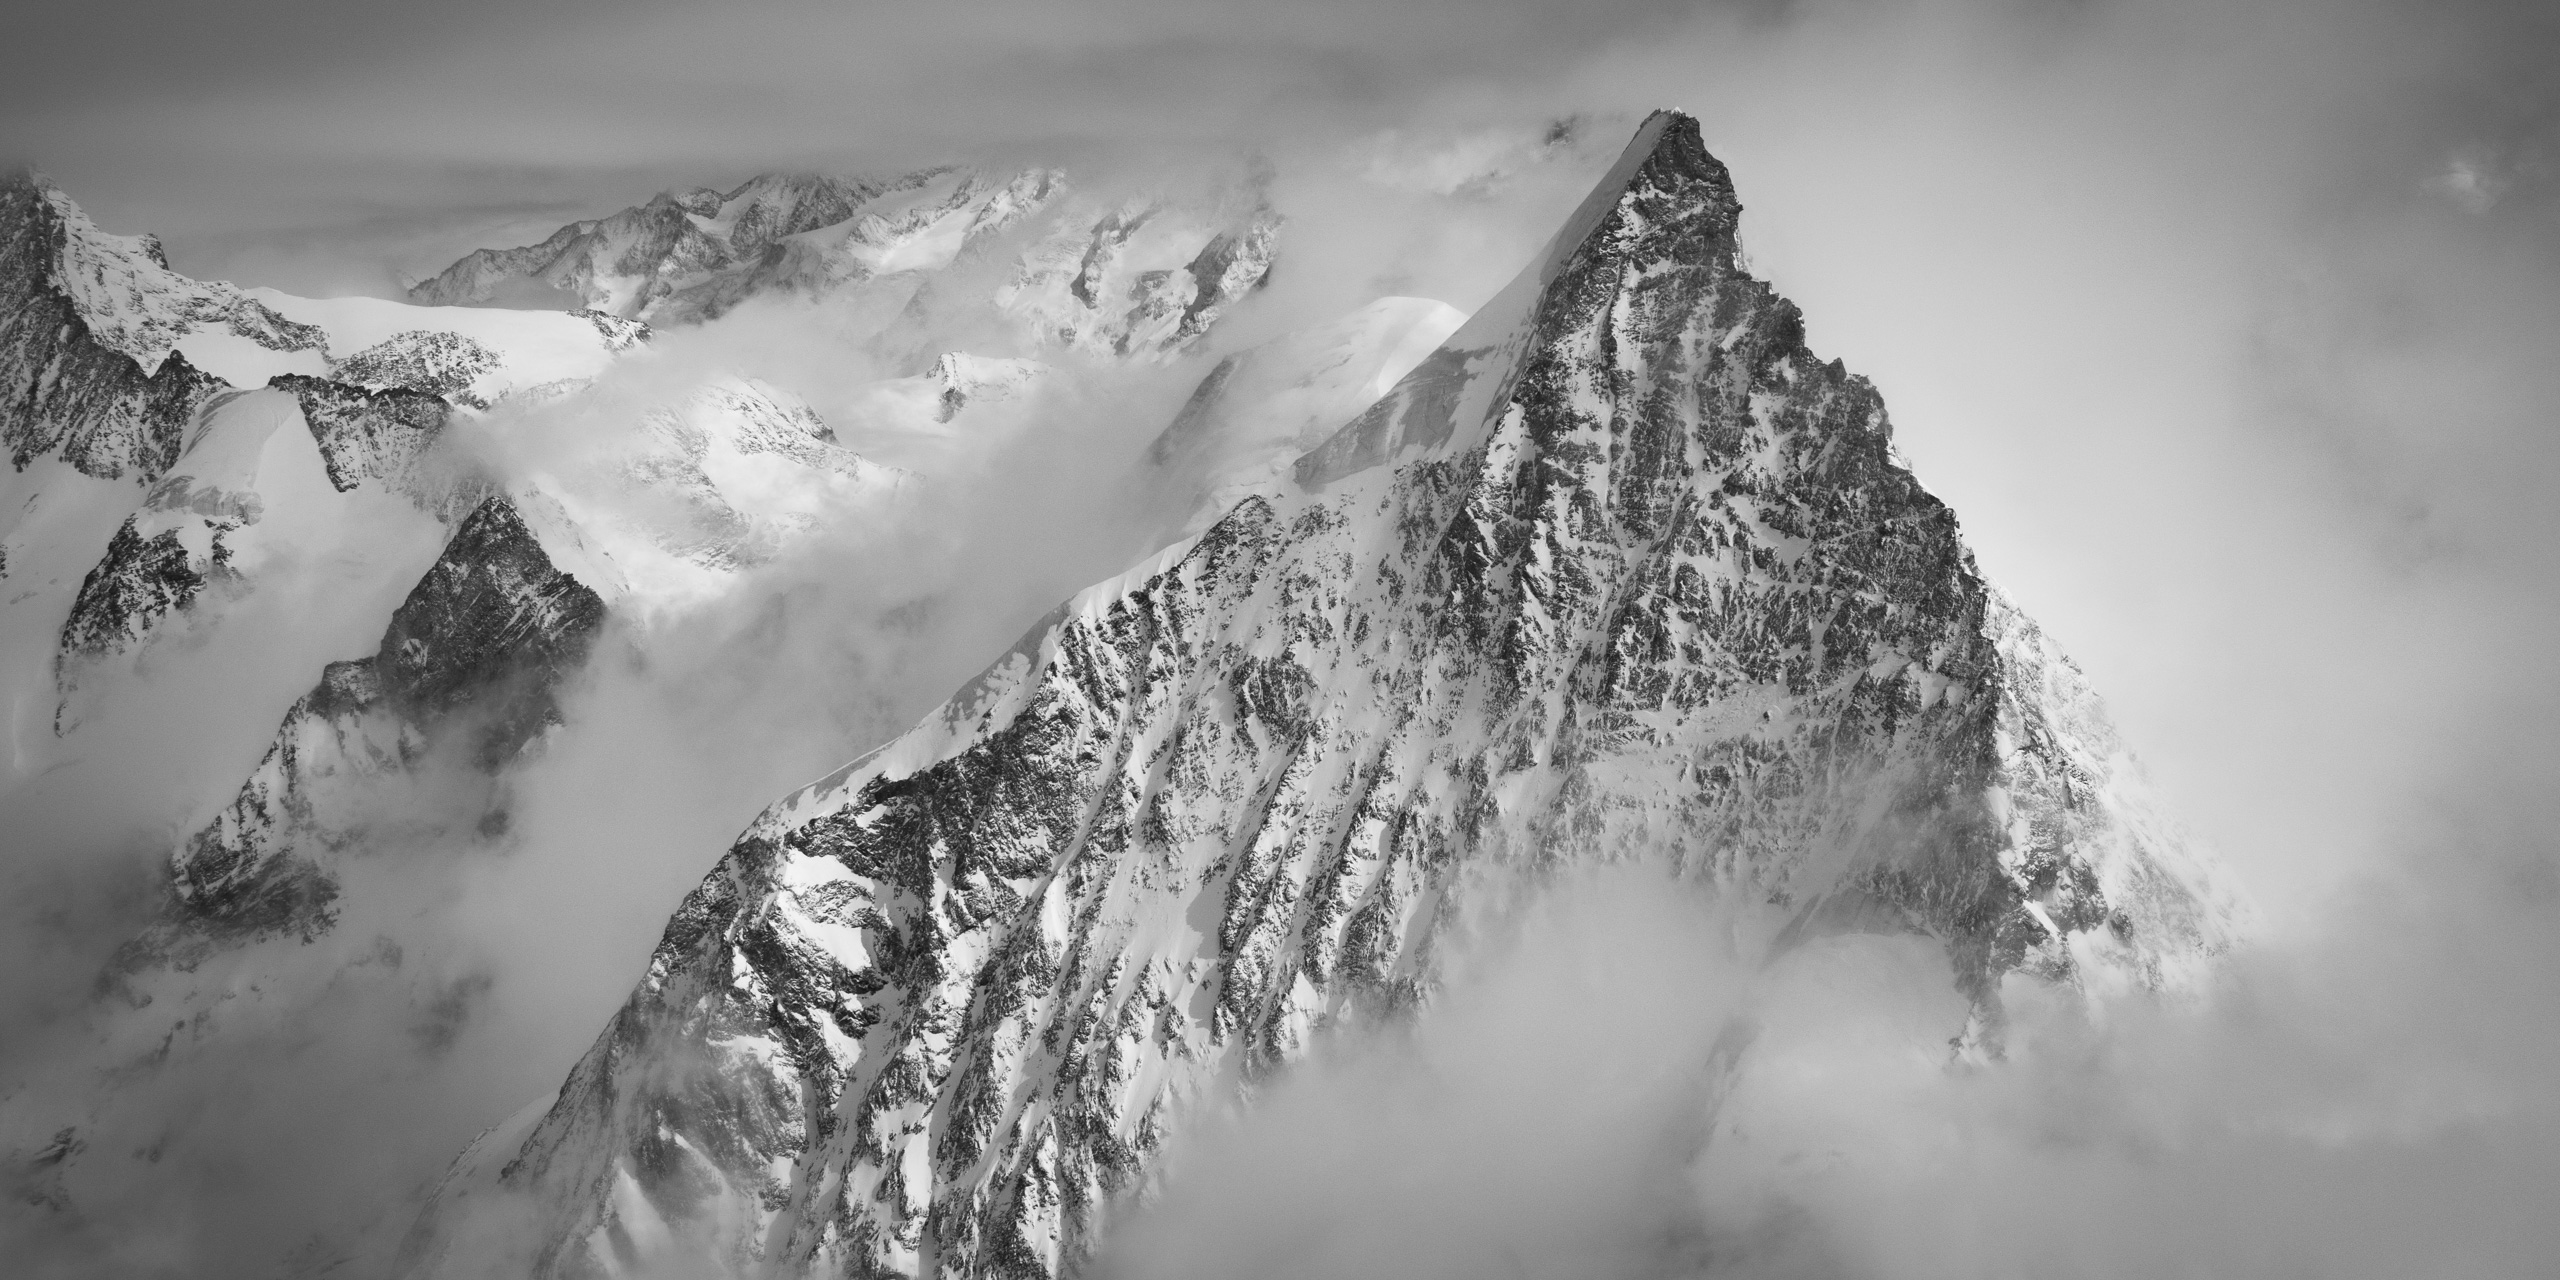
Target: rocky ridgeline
x,y
140,582
438,364
372,434
181,540
1623,571
89,339
64,390
1142,277
469,666
673,238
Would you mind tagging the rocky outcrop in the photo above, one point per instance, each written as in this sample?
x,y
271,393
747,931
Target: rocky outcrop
x,y
619,334
89,329
1621,572
425,360
493,627
1230,266
469,667
140,581
62,391
193,526
366,434
1146,278
625,264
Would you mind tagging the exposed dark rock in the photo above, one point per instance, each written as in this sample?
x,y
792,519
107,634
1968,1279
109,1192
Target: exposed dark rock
x,y
659,241
368,434
478,648
492,616
439,364
140,581
61,392
64,390
1623,572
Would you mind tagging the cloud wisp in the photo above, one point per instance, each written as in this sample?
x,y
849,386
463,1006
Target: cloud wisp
x,y
2224,330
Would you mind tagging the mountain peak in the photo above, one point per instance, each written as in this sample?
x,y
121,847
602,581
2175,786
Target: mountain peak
x,y
1666,205
1665,168
1652,589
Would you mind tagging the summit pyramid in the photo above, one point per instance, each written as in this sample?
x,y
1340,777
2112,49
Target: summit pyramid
x,y
1622,572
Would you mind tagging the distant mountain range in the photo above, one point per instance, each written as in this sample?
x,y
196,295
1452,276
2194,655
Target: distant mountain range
x,y
1614,570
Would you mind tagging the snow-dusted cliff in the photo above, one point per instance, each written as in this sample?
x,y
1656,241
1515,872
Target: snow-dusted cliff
x,y
302,499
150,483
468,666
1621,571
1139,277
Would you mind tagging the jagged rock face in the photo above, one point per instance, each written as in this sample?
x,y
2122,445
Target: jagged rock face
x,y
1621,572
619,333
365,434
493,612
183,539
440,364
492,628
1139,279
627,264
64,388
140,581
918,224
133,303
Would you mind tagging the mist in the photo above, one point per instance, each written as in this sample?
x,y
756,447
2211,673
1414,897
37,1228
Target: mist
x,y
302,1096
1632,1082
2225,328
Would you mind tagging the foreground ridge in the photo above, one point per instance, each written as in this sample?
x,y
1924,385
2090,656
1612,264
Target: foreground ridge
x,y
1621,571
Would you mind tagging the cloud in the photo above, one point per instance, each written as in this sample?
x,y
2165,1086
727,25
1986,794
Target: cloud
x,y
1625,1081
2238,382
288,1104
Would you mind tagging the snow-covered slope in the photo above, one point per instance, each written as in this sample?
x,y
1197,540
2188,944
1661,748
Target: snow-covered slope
x,y
630,262
409,745
468,667
464,487
720,478
126,371
1619,572
1138,277
89,329
1259,409
262,497
106,352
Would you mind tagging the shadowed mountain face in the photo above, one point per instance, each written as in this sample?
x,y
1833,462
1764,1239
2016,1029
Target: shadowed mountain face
x,y
271,537
66,387
1622,572
477,651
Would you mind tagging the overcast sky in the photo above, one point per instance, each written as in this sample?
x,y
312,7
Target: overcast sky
x,y
2228,328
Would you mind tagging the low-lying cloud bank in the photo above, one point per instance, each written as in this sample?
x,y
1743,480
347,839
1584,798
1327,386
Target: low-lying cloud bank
x,y
2225,330
1629,1084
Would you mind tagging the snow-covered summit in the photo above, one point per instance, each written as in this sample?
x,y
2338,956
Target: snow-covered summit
x,y
134,304
1619,572
1113,278
627,263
